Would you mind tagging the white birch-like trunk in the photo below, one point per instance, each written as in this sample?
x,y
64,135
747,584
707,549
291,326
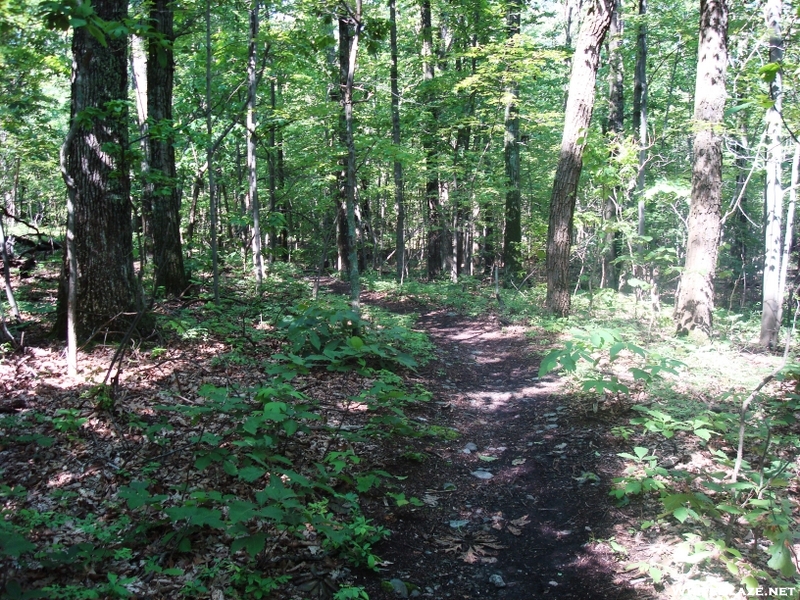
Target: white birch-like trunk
x,y
252,171
772,296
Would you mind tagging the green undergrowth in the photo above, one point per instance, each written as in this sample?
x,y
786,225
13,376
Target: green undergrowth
x,y
717,450
208,489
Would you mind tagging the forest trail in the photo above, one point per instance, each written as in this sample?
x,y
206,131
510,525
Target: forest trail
x,y
517,505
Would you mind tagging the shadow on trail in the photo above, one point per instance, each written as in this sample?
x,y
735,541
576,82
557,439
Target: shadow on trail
x,y
531,522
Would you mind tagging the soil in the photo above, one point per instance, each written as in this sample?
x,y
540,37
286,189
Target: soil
x,y
535,528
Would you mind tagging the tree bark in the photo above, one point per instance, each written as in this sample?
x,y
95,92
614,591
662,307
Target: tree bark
x,y
97,175
399,201
614,128
772,298
212,198
640,113
435,237
252,167
693,309
161,187
580,103
513,232
350,26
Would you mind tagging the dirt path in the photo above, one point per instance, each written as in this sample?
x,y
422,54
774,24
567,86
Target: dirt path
x,y
516,506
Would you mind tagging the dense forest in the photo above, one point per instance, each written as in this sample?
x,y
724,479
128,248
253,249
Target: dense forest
x,y
271,199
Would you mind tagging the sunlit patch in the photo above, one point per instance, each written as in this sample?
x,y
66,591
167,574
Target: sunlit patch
x,y
62,479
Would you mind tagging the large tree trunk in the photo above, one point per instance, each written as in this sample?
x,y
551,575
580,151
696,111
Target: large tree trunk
x,y
513,233
693,310
399,202
96,173
772,298
161,188
580,104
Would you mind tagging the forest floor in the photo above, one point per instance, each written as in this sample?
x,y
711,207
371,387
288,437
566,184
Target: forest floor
x,y
136,479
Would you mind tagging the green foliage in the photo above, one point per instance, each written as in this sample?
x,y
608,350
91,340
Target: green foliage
x,y
341,341
708,501
599,349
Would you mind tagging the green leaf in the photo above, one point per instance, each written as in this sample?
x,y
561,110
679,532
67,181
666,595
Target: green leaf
x,y
751,583
272,512
655,574
681,513
703,434
14,544
252,543
640,451
781,559
241,510
356,342
251,473
197,515
550,362
203,461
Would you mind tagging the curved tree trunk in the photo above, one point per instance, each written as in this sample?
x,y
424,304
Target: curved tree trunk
x,y
580,104
97,176
693,310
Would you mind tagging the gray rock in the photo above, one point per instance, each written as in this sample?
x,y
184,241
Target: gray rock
x,y
399,587
482,474
497,580
470,447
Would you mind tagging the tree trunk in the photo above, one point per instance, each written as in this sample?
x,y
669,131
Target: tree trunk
x,y
614,128
580,104
252,171
161,188
693,310
212,200
772,298
399,202
640,113
435,236
513,233
349,34
96,171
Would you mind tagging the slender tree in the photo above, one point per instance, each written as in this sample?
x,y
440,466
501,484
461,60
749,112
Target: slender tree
x,y
210,149
513,233
350,25
580,103
435,241
399,201
640,111
252,171
772,296
98,265
695,303
614,128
